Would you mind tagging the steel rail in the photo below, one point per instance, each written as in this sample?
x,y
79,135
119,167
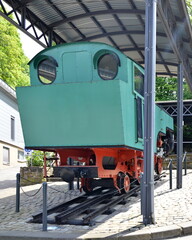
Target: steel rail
x,y
77,210
37,218
87,219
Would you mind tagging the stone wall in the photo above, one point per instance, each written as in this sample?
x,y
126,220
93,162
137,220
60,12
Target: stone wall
x,y
174,160
31,175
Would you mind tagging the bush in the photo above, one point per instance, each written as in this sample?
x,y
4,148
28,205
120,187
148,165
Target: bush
x,y
35,159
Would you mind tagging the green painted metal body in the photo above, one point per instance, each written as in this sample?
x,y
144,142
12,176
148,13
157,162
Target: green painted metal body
x,y
79,109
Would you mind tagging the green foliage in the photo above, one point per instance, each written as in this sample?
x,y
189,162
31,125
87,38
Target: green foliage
x,y
13,63
189,8
35,159
166,89
187,94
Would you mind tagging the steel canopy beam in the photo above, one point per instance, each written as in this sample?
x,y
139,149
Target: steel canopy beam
x,y
174,33
121,33
21,28
149,111
34,22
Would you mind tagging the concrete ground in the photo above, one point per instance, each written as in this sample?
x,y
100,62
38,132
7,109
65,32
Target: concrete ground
x,y
173,213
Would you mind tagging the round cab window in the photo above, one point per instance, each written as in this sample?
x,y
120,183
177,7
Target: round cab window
x,y
47,71
108,66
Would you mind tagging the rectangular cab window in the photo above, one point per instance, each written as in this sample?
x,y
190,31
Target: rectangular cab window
x,y
138,81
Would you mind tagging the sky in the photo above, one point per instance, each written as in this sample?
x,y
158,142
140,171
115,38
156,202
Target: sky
x,y
30,47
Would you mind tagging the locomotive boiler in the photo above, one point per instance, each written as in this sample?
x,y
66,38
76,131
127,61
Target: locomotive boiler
x,y
85,103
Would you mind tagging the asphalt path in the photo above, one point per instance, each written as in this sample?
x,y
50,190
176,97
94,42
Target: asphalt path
x,y
8,176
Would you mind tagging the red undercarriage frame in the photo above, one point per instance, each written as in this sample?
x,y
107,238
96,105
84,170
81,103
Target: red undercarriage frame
x,y
110,162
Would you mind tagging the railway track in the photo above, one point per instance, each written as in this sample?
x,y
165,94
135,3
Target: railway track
x,y
84,209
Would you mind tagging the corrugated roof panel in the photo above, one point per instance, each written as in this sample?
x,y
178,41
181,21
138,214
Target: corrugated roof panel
x,y
173,69
108,23
123,4
134,55
88,27
102,40
69,8
160,68
49,15
94,6
140,4
131,22
122,40
139,39
163,42
67,33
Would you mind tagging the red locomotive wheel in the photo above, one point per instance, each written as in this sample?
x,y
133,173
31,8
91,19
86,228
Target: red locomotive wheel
x,y
126,183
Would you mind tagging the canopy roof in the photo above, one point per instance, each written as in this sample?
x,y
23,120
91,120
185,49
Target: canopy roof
x,y
118,23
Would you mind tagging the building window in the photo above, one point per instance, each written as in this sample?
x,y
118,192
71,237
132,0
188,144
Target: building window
x,y
12,128
20,155
6,156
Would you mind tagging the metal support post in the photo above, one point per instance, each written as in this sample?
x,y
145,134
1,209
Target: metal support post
x,y
44,220
17,192
185,163
78,178
170,173
71,184
149,110
142,192
179,125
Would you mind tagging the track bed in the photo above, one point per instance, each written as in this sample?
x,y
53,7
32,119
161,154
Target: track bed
x,y
85,209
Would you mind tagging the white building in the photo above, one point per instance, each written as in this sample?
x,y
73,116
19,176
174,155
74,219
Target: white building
x,y
11,136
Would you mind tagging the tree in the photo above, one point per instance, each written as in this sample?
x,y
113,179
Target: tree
x,y
189,8
13,63
166,89
36,158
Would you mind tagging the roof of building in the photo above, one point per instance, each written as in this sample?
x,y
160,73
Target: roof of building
x,y
7,89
